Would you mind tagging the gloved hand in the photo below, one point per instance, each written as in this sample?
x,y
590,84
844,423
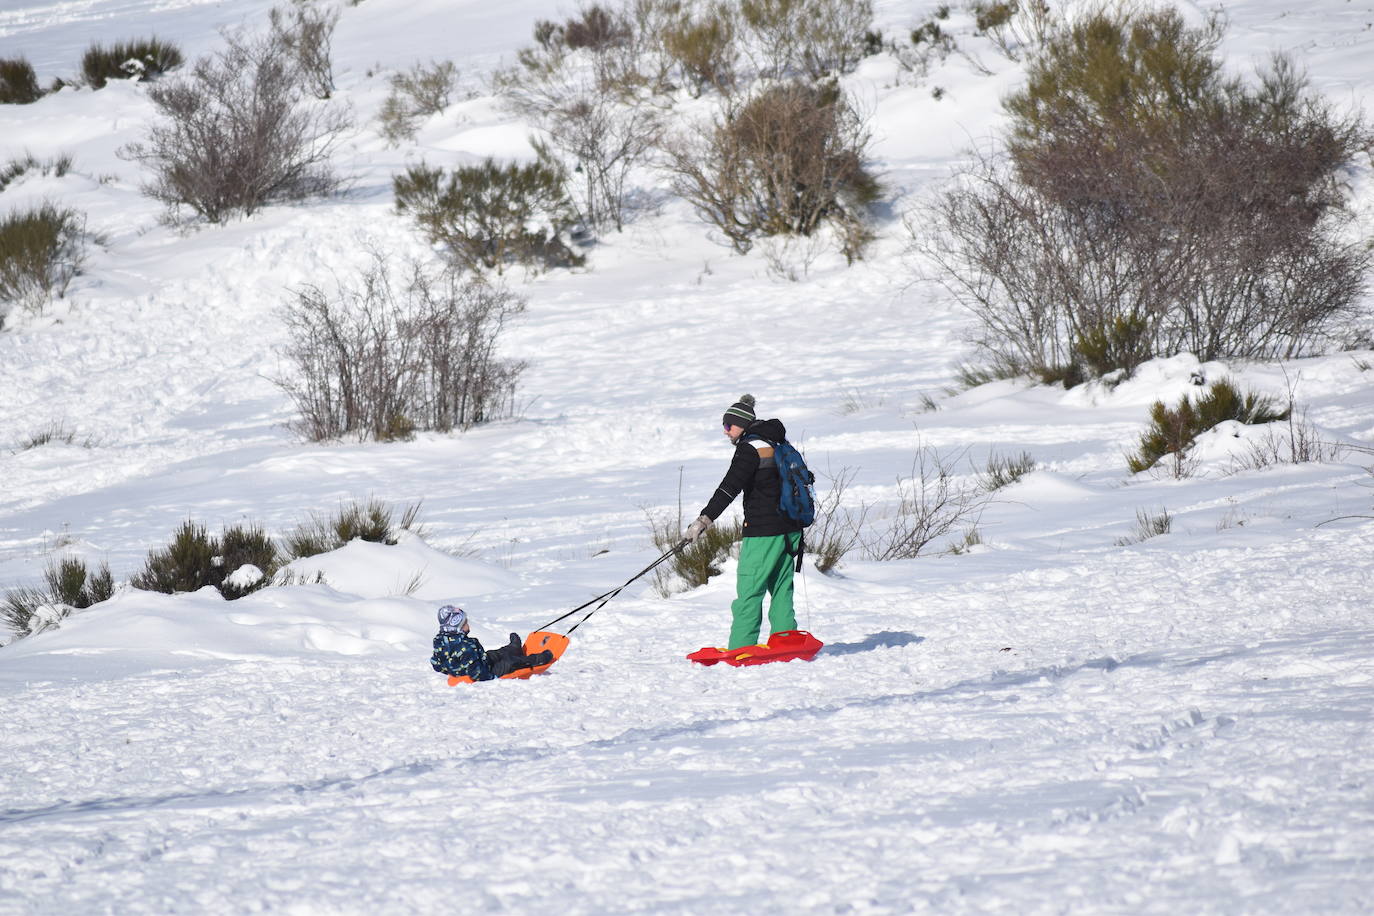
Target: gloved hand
x,y
697,528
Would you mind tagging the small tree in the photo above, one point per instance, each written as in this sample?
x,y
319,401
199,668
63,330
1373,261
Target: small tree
x,y
491,215
237,135
783,163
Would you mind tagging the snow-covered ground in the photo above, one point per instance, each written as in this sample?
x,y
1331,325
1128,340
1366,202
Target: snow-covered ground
x,y
1061,718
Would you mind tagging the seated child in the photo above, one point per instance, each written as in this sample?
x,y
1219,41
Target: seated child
x,y
458,654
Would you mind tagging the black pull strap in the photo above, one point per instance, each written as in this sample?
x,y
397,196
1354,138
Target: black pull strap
x,y
607,596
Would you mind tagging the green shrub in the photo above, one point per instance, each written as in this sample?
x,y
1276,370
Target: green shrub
x,y
57,166
705,50
1005,470
1147,526
490,215
41,250
18,82
194,559
144,59
416,94
695,563
371,521
69,586
1173,430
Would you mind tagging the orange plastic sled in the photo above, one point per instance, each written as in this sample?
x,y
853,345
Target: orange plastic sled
x,y
537,641
782,646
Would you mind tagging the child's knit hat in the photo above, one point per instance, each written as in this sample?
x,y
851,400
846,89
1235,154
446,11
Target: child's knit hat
x,y
451,619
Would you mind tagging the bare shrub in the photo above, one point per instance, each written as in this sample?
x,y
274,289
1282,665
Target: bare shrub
x,y
18,82
838,528
783,163
139,59
583,95
236,134
41,250
1299,441
1148,204
930,505
383,359
306,31
491,215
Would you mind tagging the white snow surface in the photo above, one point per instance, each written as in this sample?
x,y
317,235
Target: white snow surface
x,y
1062,718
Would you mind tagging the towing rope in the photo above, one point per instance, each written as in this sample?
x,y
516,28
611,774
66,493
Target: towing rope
x,y
604,598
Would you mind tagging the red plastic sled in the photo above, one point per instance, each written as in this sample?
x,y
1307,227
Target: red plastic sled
x,y
537,641
782,646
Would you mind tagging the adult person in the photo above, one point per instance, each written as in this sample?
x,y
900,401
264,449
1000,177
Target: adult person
x,y
771,541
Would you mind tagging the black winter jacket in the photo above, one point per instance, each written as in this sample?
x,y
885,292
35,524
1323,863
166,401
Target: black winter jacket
x,y
754,472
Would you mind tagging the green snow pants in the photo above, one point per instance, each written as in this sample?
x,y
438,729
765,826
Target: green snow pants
x,y
765,567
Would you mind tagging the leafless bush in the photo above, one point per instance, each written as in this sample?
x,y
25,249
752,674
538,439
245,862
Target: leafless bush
x,y
599,142
41,250
783,163
236,134
1204,216
491,215
930,505
580,89
382,359
1296,441
837,528
305,29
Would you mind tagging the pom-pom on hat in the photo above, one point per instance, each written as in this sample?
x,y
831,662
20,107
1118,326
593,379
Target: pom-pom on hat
x,y
451,619
741,413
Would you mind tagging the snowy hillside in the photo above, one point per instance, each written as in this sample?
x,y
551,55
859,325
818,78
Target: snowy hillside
x,y
1058,716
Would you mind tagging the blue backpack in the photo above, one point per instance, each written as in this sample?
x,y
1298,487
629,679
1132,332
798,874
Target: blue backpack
x,y
798,500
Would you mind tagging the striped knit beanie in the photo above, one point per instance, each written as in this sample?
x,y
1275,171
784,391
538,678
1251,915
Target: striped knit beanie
x,y
740,413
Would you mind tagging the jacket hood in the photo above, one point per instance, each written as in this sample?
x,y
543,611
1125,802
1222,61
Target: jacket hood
x,y
768,429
